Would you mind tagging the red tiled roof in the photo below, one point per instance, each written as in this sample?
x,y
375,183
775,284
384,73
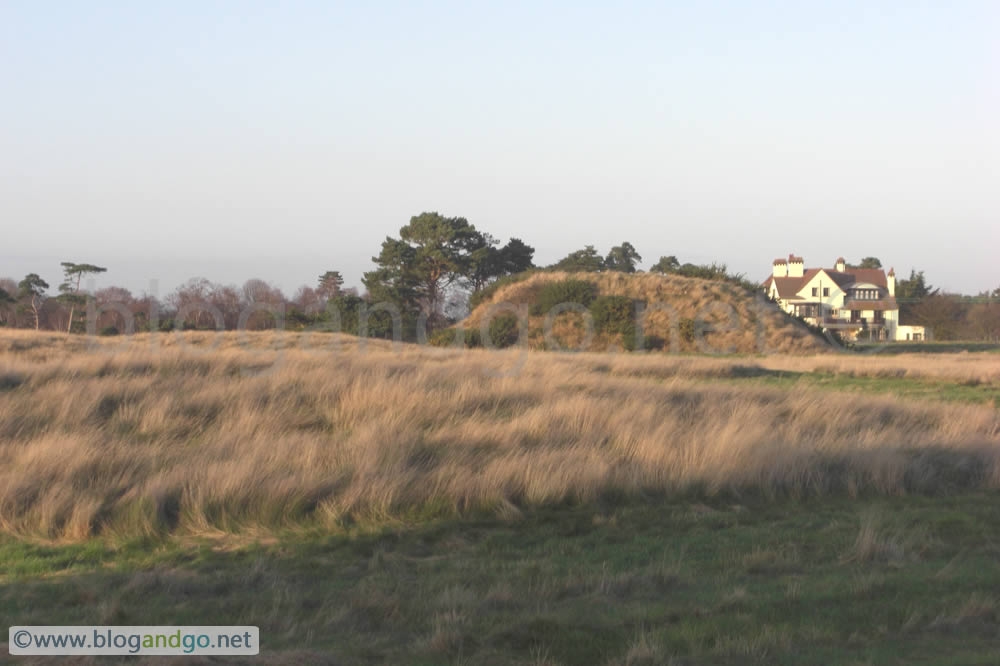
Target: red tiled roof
x,y
789,286
874,276
842,279
882,304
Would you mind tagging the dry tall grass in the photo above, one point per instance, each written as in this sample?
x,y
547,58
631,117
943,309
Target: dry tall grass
x,y
202,434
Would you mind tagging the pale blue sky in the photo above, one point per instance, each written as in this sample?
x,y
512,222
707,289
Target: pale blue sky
x,y
278,140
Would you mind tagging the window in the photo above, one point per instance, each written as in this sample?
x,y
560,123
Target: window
x,y
814,291
826,291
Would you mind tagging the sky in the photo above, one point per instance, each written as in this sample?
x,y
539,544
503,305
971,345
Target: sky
x,y
233,140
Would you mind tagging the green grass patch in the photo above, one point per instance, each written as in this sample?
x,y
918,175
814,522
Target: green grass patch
x,y
929,347
922,389
728,580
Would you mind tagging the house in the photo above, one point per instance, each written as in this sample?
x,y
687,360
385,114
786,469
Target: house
x,y
858,303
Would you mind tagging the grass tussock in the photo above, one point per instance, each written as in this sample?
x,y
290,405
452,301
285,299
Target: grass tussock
x,y
210,434
876,543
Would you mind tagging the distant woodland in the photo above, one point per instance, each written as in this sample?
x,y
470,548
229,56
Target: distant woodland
x,y
426,277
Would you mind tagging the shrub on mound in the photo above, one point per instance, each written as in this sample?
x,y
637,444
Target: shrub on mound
x,y
446,337
564,291
616,314
613,314
687,329
504,330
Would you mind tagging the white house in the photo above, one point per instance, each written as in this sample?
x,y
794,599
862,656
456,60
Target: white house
x,y
859,303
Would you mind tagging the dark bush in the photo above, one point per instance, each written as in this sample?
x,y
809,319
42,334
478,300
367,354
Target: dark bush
x,y
504,330
347,309
654,343
446,337
442,338
687,329
296,319
616,314
473,338
109,330
564,291
613,314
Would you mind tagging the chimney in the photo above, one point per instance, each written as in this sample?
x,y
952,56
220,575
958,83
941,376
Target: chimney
x,y
780,268
795,266
890,282
841,265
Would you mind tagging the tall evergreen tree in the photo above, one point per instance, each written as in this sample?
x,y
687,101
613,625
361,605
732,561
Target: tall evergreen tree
x,y
6,301
69,290
32,288
414,270
489,262
330,284
668,264
910,293
586,260
516,256
622,258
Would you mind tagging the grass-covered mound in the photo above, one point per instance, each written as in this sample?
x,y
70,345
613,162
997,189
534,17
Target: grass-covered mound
x,y
632,311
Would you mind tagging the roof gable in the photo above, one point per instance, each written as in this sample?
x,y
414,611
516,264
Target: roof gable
x,y
785,286
789,287
817,275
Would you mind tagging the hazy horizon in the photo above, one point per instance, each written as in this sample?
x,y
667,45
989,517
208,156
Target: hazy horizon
x,y
239,140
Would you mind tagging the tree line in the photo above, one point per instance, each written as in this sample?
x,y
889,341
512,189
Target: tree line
x,y
424,280
949,316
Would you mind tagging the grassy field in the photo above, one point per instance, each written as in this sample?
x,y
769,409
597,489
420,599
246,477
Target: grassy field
x,y
730,580
364,504
932,347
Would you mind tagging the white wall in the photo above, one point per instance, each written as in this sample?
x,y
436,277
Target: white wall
x,y
904,330
823,281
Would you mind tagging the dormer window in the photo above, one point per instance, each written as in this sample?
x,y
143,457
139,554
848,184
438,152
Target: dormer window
x,y
863,294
